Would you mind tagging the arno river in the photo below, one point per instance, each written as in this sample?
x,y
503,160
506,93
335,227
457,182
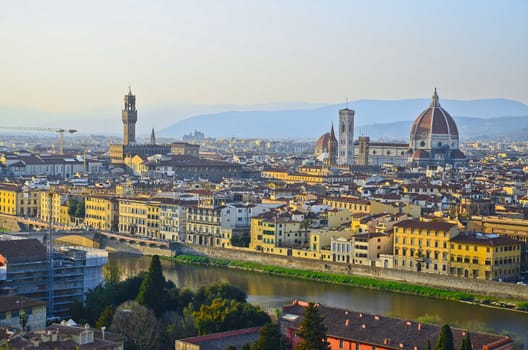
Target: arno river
x,y
275,291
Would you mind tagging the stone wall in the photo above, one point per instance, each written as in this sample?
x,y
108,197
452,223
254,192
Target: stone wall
x,y
487,288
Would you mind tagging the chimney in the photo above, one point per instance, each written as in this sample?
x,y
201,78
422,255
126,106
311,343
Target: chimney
x,y
360,314
401,345
420,326
363,326
103,328
408,323
376,318
347,322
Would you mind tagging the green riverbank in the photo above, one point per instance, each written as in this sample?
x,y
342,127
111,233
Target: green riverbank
x,y
357,281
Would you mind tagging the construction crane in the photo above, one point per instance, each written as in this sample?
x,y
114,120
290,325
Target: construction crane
x,y
58,130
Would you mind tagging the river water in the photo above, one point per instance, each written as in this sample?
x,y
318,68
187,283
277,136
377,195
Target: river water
x,y
272,292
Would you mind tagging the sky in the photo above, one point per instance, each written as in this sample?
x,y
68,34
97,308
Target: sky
x,y
69,55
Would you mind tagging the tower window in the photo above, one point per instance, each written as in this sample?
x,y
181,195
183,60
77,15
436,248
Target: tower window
x,y
422,144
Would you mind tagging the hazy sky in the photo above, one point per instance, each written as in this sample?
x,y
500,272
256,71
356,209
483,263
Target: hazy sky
x,y
72,55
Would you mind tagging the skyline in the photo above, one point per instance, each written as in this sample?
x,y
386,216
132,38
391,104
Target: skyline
x,y
64,56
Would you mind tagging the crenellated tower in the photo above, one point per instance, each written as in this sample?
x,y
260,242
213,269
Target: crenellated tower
x,y
129,116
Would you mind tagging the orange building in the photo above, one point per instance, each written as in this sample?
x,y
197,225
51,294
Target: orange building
x,y
350,330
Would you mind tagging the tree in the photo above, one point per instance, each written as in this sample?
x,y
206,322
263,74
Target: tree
x,y
152,292
106,317
313,330
138,325
270,338
225,315
445,339
112,273
466,342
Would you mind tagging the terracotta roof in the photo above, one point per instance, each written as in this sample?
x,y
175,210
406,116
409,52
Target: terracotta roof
x,y
427,225
387,332
473,238
23,250
16,302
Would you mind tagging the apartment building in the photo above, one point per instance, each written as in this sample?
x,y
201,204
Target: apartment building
x,y
423,246
485,256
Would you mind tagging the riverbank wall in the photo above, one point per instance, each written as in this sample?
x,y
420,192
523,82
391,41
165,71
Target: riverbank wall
x,y
478,287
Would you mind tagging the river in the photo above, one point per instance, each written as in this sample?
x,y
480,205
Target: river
x,y
272,292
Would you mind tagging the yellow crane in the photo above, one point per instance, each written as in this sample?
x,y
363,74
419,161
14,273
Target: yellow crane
x,y
57,130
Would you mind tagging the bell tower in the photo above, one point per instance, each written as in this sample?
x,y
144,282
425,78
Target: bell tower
x,y
346,136
129,116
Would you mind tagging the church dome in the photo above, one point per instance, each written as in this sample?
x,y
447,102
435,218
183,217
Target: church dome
x,y
434,121
322,142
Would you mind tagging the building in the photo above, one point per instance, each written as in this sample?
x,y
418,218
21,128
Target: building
x,y
139,216
434,138
129,117
488,257
173,218
423,246
19,200
189,167
24,271
516,229
346,137
15,309
68,335
361,331
326,148
272,234
237,338
369,153
122,153
101,212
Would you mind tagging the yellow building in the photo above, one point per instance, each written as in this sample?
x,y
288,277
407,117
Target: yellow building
x,y
101,213
423,246
353,204
270,234
516,229
19,201
59,207
139,217
488,257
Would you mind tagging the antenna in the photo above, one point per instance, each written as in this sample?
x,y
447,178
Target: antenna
x,y
346,104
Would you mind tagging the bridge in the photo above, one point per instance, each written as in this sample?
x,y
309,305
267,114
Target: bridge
x,y
38,229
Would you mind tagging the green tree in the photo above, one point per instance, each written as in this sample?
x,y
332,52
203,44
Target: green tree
x,y
112,273
225,315
206,294
445,339
106,317
313,330
270,338
152,293
466,342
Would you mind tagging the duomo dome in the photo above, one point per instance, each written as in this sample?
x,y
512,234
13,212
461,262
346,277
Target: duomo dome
x,y
434,137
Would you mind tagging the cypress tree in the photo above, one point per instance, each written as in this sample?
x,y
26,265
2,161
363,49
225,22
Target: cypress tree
x,y
151,292
313,330
466,342
445,339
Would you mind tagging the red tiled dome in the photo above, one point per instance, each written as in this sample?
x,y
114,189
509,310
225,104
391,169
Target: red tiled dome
x,y
322,142
434,120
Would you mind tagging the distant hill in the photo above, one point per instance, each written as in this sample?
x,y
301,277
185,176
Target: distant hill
x,y
512,128
388,119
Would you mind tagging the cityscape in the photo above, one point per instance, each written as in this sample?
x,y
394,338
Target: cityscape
x,y
397,219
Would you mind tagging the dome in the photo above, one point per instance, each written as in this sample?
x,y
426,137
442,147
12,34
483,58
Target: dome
x,y
434,120
322,142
